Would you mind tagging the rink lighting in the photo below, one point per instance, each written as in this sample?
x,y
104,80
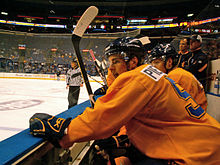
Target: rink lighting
x,y
32,24
136,21
171,25
163,18
190,15
102,26
4,13
23,16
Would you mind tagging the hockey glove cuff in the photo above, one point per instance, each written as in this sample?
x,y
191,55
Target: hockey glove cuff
x,y
113,142
48,127
101,91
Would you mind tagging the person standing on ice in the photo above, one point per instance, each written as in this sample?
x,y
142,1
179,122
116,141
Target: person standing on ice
x,y
73,82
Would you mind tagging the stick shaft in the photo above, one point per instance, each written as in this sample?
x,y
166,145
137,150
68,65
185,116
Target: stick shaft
x,y
76,40
100,71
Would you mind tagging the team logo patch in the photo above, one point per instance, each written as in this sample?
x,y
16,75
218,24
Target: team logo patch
x,y
153,72
56,125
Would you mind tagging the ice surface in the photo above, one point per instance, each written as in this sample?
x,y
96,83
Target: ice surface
x,y
21,98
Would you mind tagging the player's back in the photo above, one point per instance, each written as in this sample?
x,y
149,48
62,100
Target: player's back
x,y
189,82
171,125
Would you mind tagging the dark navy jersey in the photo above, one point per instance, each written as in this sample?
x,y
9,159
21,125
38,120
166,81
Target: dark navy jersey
x,y
183,61
197,60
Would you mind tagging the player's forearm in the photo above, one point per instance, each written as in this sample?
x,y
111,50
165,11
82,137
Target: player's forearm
x,y
110,113
88,126
65,142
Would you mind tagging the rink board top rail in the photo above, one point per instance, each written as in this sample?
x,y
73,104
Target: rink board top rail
x,y
14,147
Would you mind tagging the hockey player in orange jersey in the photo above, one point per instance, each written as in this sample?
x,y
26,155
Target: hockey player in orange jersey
x,y
161,118
165,58
167,62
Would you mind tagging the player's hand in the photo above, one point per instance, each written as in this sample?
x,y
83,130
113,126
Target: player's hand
x,y
48,127
113,142
102,152
67,86
101,91
65,142
91,98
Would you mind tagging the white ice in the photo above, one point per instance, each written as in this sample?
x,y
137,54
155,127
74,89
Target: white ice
x,y
21,98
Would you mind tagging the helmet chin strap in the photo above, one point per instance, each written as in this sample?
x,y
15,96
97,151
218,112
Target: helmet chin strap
x,y
128,65
165,67
126,59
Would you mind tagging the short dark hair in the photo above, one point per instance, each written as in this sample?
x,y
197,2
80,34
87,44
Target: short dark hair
x,y
187,40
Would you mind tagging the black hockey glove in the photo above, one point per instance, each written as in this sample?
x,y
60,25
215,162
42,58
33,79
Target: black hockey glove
x,y
113,142
48,127
112,147
101,91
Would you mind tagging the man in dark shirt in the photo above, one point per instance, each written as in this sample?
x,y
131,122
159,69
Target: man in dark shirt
x,y
198,62
184,52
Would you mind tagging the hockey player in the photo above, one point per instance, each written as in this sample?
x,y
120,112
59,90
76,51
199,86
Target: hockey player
x,y
165,58
161,118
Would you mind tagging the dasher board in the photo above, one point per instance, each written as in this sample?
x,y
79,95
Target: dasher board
x,y
21,144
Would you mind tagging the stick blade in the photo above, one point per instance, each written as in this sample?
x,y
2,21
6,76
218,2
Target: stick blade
x,y
85,20
145,40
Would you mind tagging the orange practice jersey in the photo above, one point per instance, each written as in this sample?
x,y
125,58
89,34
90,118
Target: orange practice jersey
x,y
161,119
189,82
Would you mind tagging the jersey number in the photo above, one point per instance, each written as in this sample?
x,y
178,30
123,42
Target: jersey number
x,y
192,108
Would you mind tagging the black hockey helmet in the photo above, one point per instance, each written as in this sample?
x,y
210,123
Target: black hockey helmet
x,y
163,51
127,47
74,60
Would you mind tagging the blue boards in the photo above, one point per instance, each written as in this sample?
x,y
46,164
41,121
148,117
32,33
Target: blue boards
x,y
16,146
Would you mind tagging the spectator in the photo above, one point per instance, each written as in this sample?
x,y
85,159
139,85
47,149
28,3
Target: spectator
x,y
184,52
198,61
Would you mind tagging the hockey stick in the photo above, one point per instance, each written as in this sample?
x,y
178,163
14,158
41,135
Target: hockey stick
x,y
99,68
87,17
95,80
